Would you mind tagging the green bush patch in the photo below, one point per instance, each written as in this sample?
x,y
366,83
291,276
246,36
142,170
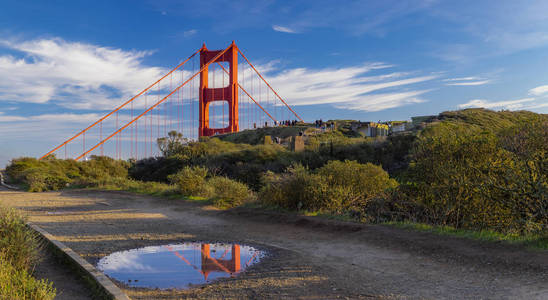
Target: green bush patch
x,y
18,254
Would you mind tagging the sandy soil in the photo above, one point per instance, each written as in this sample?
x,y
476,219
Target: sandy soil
x,y
310,258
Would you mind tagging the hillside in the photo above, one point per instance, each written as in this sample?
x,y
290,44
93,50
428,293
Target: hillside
x,y
469,169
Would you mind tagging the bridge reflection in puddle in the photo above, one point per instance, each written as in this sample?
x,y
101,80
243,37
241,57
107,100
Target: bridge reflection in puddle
x,y
180,265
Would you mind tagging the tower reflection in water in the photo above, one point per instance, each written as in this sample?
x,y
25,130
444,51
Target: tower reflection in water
x,y
180,265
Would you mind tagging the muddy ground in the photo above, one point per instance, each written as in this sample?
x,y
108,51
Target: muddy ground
x,y
309,258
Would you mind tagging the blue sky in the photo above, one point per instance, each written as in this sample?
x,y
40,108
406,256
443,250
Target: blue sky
x,y
63,64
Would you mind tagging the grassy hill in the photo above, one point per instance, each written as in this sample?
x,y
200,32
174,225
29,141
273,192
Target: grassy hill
x,y
469,169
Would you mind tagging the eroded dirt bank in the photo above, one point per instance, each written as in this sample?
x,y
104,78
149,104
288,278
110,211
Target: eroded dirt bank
x,y
309,259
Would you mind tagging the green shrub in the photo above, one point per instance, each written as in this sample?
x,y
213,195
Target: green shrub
x,y
55,174
353,184
191,181
229,193
338,187
18,244
99,169
18,253
156,168
42,175
17,283
295,189
466,176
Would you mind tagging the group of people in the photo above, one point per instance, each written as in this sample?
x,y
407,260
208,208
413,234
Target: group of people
x,y
288,123
324,125
279,123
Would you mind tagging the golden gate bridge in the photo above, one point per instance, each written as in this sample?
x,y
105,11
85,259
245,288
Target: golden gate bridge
x,y
205,95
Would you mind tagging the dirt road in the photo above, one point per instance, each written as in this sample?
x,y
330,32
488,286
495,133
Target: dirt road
x,y
310,259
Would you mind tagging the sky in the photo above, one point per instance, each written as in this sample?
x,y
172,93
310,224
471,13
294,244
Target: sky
x,y
64,64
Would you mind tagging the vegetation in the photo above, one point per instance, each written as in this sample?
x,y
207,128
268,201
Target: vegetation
x,y
18,255
55,174
471,169
468,176
191,181
223,191
229,193
338,187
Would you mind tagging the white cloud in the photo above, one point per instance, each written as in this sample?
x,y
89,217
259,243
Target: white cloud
x,y
378,102
75,74
538,105
4,118
66,117
283,29
466,81
539,90
348,88
509,104
190,33
463,78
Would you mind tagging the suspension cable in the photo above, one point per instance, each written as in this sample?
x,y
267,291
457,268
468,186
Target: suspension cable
x,y
251,65
271,117
121,106
156,104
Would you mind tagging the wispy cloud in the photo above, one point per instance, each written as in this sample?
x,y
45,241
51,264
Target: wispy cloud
x,y
63,117
378,102
74,74
539,90
5,118
190,33
283,29
348,88
508,104
466,81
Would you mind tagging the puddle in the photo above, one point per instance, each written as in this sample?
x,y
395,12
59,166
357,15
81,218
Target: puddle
x,y
179,265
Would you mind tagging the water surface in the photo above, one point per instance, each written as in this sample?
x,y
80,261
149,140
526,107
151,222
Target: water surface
x,y
179,265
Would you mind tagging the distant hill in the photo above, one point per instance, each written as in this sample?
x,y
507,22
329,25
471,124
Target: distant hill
x,y
488,119
484,118
256,136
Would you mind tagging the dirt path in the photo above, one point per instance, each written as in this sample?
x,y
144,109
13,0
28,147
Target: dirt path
x,y
309,259
67,285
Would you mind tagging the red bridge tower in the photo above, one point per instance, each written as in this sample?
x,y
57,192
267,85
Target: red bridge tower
x,y
228,93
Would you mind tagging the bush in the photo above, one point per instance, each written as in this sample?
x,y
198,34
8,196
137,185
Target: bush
x,y
42,175
466,176
338,187
191,181
100,169
18,254
229,193
55,174
353,184
19,284
18,244
156,168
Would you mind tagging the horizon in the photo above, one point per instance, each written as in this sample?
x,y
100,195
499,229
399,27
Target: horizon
x,y
64,65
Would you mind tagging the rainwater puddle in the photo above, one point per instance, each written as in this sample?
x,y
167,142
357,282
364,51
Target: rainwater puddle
x,y
179,265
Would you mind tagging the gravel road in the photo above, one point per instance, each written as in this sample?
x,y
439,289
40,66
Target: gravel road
x,y
310,258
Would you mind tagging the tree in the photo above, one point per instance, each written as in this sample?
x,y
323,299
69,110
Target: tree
x,y
172,144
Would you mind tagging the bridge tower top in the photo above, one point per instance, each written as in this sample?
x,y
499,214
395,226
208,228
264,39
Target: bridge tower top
x,y
228,94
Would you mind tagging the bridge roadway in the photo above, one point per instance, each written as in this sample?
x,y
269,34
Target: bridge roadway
x,y
309,259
